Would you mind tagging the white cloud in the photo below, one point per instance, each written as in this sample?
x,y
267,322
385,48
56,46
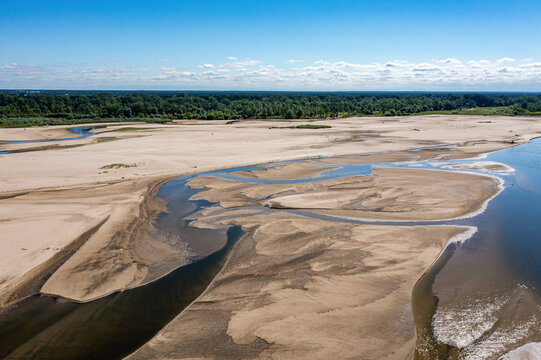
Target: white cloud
x,y
294,61
446,74
504,60
232,58
451,61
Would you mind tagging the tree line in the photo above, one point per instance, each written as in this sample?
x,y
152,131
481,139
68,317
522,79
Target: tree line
x,y
53,108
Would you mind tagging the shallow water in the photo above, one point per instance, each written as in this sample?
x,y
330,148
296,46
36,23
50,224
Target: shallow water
x,y
83,131
478,295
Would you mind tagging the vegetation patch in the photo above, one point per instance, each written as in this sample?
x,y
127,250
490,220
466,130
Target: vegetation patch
x,y
118,166
309,126
105,139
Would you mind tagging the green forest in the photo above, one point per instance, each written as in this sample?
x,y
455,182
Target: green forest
x,y
25,108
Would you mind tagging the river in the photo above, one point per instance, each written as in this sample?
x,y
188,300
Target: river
x,y
480,296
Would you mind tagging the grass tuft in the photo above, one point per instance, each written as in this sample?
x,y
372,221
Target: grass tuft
x,y
118,166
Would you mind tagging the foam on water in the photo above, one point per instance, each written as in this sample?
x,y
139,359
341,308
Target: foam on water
x,y
463,236
461,325
471,328
499,340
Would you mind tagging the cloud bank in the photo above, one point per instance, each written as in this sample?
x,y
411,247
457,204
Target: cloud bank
x,y
251,74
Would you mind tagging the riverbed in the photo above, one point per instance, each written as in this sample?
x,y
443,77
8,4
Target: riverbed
x,y
482,292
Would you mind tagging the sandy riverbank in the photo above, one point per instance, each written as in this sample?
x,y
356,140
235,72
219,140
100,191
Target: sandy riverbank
x,y
44,191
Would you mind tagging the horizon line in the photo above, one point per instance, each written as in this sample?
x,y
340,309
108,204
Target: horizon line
x,y
272,91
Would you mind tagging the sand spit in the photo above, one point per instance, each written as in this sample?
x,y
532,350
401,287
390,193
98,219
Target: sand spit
x,y
120,255
106,254
486,166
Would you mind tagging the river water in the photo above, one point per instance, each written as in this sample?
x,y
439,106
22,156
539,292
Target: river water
x,y
82,131
480,298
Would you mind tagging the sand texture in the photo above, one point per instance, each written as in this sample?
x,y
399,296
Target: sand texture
x,y
386,194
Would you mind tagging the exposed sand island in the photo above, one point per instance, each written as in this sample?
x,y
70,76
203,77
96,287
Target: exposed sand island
x,y
74,227
386,194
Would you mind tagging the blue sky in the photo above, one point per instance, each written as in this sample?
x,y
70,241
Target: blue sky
x,y
271,45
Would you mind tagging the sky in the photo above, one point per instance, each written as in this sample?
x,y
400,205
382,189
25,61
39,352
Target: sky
x,y
271,45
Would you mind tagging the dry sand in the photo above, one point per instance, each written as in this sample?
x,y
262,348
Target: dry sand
x,y
72,225
196,146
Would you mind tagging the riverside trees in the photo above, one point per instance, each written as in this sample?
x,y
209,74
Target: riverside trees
x,y
74,107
